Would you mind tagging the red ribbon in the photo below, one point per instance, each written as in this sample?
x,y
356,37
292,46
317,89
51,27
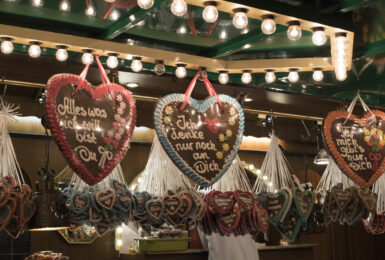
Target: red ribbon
x,y
375,158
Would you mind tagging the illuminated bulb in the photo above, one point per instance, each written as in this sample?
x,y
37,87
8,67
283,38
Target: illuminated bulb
x,y
7,46
65,5
223,35
223,77
114,15
271,184
318,75
119,230
140,180
61,53
294,32
341,75
34,50
180,71
136,64
251,166
119,242
159,68
258,172
37,3
90,11
270,76
264,177
112,61
179,7
182,30
87,58
293,76
268,25
246,77
240,19
145,4
319,36
210,12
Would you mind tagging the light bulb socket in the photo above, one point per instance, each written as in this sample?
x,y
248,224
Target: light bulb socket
x,y
159,62
290,23
181,65
267,16
6,39
210,3
340,34
269,70
246,71
317,69
87,51
62,47
203,69
113,54
318,29
224,71
137,58
240,10
293,69
34,43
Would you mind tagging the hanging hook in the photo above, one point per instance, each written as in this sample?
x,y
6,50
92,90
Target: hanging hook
x,y
307,136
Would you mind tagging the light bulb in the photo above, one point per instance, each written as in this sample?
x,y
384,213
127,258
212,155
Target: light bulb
x,y
114,15
179,7
270,76
210,12
180,71
264,177
182,30
90,11
293,76
246,77
159,68
240,19
145,4
61,53
87,57
223,77
34,50
294,32
258,172
268,25
136,64
119,242
119,230
7,46
112,61
65,5
341,75
318,75
37,3
319,36
223,35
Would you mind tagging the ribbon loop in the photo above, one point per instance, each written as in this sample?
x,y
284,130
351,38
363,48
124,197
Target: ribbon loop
x,y
364,106
106,155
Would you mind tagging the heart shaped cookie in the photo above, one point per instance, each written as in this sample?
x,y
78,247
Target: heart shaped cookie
x,y
304,202
155,208
278,205
106,198
222,202
92,126
185,207
172,204
342,196
202,139
357,144
229,221
6,213
80,202
291,224
368,198
245,199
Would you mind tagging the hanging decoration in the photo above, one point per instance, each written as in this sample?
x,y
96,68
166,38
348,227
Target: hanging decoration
x,y
16,204
375,223
92,126
231,206
202,139
356,145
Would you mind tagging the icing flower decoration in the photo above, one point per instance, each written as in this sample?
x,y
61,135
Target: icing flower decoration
x,y
118,136
122,105
167,120
229,133
219,155
123,121
232,111
366,131
168,110
225,147
119,98
121,130
119,111
367,138
117,117
231,121
373,131
221,137
110,133
379,132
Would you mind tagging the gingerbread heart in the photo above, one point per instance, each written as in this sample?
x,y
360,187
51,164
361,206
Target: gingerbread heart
x,y
261,218
368,198
229,221
185,207
28,209
4,195
291,224
106,198
278,205
95,215
304,202
6,213
199,146
356,145
80,202
222,202
172,204
341,196
244,198
155,208
82,119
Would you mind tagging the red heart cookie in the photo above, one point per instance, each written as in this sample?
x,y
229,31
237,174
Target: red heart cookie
x,y
155,208
222,202
245,199
81,119
6,213
212,125
357,144
228,222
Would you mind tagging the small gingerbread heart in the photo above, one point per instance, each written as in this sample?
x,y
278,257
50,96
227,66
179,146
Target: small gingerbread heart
x,y
172,204
229,221
106,198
